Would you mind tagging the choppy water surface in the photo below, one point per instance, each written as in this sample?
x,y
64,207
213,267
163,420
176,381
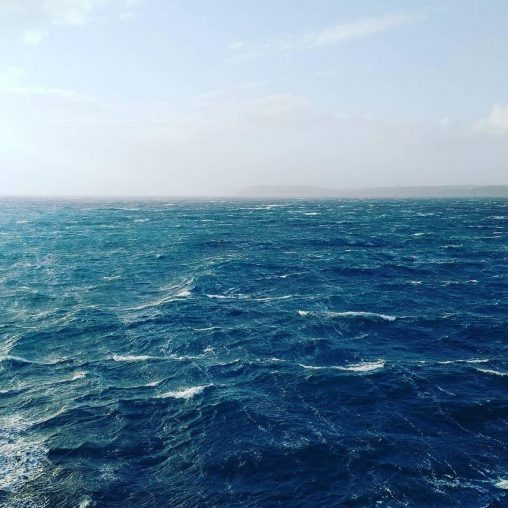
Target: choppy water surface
x,y
254,353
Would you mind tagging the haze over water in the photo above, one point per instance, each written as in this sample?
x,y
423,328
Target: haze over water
x,y
253,353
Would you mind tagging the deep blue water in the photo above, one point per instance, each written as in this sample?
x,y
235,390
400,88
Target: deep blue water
x,y
254,353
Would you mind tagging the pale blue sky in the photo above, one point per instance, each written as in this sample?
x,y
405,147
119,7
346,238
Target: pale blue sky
x,y
205,97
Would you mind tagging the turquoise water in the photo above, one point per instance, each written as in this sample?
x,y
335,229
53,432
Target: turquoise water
x,y
253,353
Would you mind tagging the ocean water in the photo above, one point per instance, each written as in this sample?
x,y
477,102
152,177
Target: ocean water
x,y
254,353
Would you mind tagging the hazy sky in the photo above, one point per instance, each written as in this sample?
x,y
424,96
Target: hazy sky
x,y
204,97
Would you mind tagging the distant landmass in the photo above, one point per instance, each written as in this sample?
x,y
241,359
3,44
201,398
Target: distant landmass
x,y
298,191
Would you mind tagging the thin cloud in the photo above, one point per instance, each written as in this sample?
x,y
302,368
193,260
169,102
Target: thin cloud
x,y
495,122
340,33
58,93
31,21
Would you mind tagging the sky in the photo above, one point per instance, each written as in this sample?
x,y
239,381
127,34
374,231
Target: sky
x,y
205,97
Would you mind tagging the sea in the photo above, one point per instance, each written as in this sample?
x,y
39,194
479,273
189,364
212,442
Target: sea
x,y
253,353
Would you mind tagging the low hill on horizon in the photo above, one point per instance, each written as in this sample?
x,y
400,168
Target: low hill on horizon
x,y
437,191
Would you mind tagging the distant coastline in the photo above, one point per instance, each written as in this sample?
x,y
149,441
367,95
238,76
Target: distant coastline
x,y
294,191
297,191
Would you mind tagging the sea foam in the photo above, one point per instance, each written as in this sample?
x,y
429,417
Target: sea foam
x,y
185,393
21,458
492,372
354,367
472,360
133,358
347,314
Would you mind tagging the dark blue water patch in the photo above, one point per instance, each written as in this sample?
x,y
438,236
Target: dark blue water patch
x,y
253,353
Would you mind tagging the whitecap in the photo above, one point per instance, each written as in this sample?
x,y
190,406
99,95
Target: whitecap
x,y
348,314
154,303
184,357
21,359
493,372
237,296
112,277
133,358
502,484
353,367
472,360
185,393
270,298
79,374
183,293
364,366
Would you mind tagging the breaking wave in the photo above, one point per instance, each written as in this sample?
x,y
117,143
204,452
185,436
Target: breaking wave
x,y
347,314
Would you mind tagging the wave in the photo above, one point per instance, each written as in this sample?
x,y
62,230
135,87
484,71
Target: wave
x,y
181,358
354,367
21,359
347,314
473,360
182,292
502,484
186,393
270,298
493,372
238,296
134,358
112,277
80,374
162,301
144,358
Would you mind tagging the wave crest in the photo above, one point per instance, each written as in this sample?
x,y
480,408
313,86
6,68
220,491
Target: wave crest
x,y
133,358
347,314
185,393
354,367
492,372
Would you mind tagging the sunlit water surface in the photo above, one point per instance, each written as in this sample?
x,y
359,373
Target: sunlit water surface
x,y
253,353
